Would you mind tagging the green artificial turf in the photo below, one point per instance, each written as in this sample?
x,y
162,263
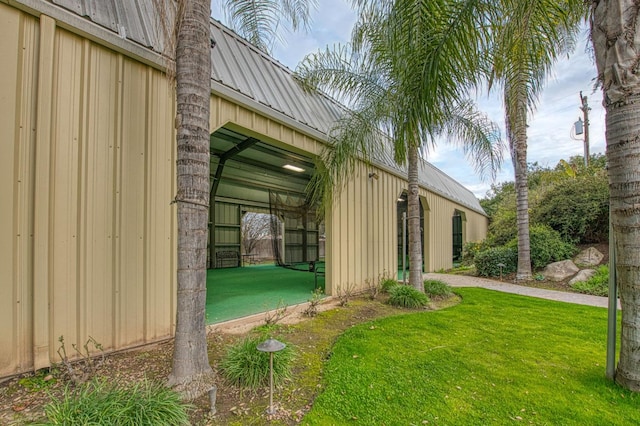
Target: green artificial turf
x,y
238,292
494,359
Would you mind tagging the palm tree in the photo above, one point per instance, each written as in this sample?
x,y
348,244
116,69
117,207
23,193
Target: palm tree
x,y
528,39
191,372
404,77
614,34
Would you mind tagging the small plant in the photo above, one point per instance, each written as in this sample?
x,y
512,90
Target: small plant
x,y
487,261
83,369
345,294
244,365
437,289
597,285
42,379
407,297
275,316
373,288
312,309
99,403
387,284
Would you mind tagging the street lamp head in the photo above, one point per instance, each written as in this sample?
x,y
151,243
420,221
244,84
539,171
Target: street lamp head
x,y
579,126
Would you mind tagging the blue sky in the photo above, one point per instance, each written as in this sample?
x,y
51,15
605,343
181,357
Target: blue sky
x,y
549,137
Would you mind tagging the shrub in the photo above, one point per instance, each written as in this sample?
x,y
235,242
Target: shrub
x,y
469,251
597,285
99,403
244,365
578,208
437,288
487,261
546,246
387,284
407,297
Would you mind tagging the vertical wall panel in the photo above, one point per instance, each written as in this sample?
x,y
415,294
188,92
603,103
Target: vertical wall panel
x,y
18,42
97,194
65,154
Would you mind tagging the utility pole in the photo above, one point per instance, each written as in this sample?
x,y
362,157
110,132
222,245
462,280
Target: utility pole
x,y
585,111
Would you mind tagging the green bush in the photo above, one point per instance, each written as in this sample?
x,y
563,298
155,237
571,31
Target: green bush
x,y
99,403
598,285
437,288
578,208
387,284
546,246
469,251
407,297
244,365
487,261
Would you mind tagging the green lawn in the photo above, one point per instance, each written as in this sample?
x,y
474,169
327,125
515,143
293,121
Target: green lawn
x,y
494,359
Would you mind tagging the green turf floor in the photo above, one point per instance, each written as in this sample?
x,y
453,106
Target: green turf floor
x,y
238,292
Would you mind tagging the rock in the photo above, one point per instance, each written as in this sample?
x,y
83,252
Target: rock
x,y
589,257
583,275
558,271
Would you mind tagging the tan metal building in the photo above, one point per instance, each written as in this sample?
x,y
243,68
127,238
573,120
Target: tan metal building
x,y
87,175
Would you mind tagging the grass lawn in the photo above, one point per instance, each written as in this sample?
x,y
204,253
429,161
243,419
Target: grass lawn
x,y
494,359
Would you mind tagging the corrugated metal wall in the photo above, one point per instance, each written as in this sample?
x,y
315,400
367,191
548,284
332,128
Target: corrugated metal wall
x,y
87,234
87,163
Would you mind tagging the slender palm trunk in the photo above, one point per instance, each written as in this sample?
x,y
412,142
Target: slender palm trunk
x,y
623,156
517,133
614,35
191,370
413,221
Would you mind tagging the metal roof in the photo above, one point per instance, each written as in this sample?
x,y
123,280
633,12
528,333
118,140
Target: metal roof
x,y
241,72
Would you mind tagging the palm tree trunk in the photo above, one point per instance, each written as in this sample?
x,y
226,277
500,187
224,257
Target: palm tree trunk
x,y
413,221
517,133
613,32
191,371
623,157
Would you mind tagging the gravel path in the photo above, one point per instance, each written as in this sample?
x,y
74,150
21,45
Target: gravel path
x,y
562,296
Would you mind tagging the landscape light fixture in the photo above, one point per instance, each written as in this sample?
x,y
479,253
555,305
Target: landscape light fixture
x,y
293,168
271,346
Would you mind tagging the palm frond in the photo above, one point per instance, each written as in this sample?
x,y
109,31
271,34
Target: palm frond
x,y
261,21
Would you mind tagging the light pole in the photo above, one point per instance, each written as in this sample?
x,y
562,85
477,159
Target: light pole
x,y
581,127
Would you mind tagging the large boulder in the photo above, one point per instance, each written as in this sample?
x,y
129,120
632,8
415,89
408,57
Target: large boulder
x,y
558,271
589,257
583,275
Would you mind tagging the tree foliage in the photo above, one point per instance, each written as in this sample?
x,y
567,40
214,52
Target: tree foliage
x,y
570,198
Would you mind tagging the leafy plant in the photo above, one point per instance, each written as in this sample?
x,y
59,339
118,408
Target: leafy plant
x,y
437,288
42,379
546,246
470,249
244,365
578,208
597,285
407,297
99,403
387,284
488,262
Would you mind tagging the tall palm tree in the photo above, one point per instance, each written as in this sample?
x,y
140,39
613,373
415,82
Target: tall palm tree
x,y
614,33
529,37
405,78
191,372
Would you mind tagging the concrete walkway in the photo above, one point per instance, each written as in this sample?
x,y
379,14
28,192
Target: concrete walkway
x,y
562,296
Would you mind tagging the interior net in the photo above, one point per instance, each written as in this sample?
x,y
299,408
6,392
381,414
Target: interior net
x,y
296,233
